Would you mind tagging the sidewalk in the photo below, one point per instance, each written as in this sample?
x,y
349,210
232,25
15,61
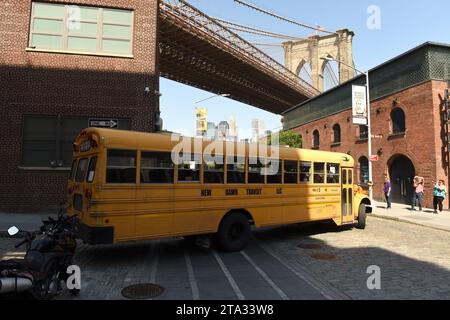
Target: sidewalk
x,y
402,212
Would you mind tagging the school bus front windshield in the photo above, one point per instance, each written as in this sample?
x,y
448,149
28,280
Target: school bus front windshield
x,y
132,186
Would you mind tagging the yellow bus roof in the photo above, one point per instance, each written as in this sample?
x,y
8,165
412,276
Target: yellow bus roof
x,y
121,139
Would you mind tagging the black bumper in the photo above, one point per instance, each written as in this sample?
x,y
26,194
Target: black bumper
x,y
94,235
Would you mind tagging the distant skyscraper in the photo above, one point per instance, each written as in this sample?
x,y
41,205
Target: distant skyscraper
x,y
201,122
233,131
258,129
222,130
211,131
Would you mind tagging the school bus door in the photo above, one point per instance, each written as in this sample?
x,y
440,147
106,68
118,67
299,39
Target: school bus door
x,y
347,196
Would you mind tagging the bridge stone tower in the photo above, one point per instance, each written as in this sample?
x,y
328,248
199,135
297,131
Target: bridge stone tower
x,y
312,49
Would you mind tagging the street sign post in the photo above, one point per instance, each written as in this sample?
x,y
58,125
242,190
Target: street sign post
x,y
103,123
374,158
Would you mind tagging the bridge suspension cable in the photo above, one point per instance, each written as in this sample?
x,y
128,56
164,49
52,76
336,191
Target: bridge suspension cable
x,y
272,14
252,30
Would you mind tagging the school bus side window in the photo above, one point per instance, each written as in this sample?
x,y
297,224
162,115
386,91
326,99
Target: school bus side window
x,y
255,171
305,172
189,170
274,172
213,170
121,166
290,172
156,167
91,171
81,171
235,169
319,172
73,170
332,173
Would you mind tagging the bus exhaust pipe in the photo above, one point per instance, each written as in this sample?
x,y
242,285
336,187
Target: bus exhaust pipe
x,y
14,284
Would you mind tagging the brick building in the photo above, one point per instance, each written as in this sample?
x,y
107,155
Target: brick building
x,y
62,64
408,122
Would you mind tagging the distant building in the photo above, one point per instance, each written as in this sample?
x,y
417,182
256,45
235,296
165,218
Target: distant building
x,y
55,84
222,130
408,119
201,122
233,130
211,131
258,129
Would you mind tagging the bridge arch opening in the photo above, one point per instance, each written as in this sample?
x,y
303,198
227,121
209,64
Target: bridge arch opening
x,y
304,71
330,75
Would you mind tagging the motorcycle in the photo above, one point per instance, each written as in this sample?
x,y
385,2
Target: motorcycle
x,y
49,252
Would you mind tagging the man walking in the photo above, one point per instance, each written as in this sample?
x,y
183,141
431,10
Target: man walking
x,y
387,190
418,183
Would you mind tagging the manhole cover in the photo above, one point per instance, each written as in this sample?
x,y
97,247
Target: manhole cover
x,y
142,291
309,246
324,256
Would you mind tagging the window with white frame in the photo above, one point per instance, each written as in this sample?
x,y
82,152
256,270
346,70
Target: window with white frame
x,y
81,29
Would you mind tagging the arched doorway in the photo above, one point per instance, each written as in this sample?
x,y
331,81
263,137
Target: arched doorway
x,y
402,172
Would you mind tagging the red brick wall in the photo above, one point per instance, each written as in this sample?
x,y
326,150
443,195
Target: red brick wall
x,y
421,144
61,84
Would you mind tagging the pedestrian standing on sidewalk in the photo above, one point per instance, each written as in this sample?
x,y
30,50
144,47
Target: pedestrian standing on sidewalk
x,y
418,183
387,190
440,192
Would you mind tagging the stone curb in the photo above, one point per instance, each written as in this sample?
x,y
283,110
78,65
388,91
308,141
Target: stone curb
x,y
380,216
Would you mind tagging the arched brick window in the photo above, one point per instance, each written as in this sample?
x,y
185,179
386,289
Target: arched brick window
x,y
363,170
336,133
398,120
316,139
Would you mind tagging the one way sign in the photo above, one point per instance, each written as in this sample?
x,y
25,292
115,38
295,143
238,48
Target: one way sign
x,y
103,123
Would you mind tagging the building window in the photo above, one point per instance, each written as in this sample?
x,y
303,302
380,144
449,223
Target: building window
x,y
48,141
398,121
120,166
156,167
363,132
316,139
363,170
81,29
336,133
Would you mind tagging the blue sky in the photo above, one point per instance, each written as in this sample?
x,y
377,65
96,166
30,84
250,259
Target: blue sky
x,y
404,25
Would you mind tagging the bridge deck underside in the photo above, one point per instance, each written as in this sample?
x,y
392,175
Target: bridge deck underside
x,y
199,59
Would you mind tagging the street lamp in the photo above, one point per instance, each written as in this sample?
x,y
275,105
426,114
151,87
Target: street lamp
x,y
225,95
369,131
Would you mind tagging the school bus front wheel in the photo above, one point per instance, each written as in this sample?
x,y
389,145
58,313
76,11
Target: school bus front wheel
x,y
362,214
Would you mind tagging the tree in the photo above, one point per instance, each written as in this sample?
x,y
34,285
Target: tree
x,y
287,138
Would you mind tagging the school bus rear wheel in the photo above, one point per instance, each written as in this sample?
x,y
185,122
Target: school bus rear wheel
x,y
234,232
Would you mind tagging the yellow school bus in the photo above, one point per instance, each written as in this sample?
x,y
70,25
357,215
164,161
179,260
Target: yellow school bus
x,y
127,186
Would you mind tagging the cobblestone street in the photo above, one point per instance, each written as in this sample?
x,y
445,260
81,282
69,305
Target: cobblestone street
x,y
293,262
